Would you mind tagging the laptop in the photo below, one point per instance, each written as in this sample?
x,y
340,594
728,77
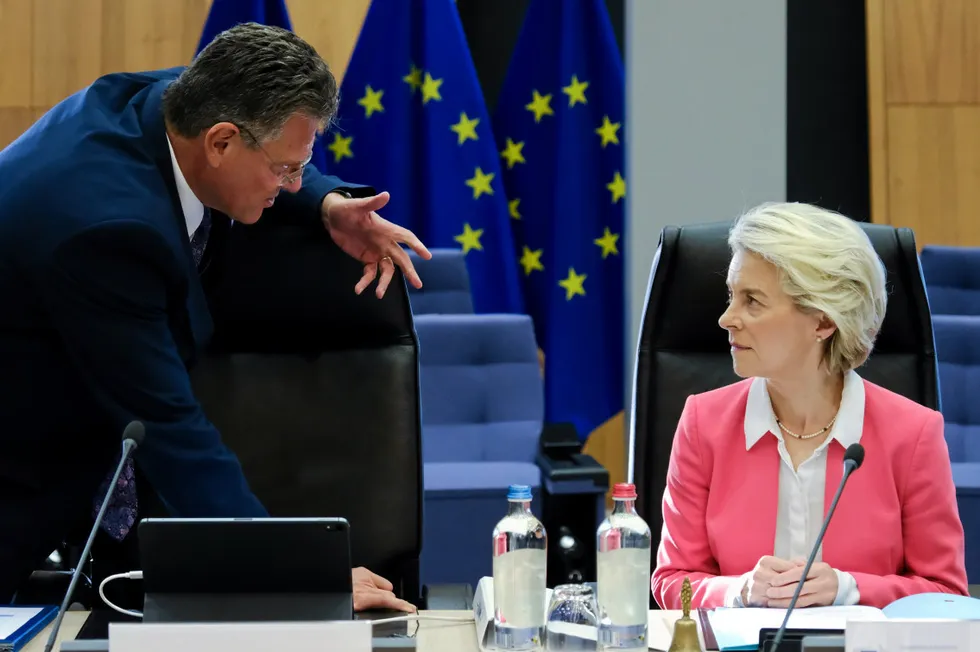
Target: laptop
x,y
239,570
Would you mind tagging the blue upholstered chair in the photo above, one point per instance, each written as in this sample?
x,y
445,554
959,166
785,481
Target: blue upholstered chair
x,y
445,284
952,277
482,416
958,351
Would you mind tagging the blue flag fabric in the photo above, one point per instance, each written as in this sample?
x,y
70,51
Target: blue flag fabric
x,y
225,14
413,121
559,128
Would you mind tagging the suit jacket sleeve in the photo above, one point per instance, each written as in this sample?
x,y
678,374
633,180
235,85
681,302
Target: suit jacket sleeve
x,y
931,527
303,207
108,289
684,549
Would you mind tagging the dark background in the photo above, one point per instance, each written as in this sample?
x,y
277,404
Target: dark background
x,y
826,95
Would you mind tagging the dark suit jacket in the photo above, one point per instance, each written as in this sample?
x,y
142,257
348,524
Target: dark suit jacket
x,y
102,312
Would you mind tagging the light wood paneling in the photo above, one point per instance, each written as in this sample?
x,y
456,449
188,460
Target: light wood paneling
x,y
16,72
932,51
934,164
50,49
924,113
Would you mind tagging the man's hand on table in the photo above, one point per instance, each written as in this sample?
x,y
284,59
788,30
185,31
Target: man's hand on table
x,y
375,592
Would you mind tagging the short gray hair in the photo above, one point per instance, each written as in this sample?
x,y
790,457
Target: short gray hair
x,y
254,76
826,264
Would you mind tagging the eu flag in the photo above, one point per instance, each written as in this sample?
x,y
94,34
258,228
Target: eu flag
x,y
559,127
413,121
225,14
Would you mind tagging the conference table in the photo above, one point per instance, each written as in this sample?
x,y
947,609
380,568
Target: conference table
x,y
431,636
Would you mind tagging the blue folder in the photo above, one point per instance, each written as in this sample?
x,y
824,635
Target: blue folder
x,y
23,635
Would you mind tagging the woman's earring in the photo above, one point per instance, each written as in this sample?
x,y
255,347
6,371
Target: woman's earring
x,y
820,339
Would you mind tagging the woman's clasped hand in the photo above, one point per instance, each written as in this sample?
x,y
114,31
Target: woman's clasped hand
x,y
773,581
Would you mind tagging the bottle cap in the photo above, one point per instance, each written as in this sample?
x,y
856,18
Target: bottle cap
x,y
519,492
624,491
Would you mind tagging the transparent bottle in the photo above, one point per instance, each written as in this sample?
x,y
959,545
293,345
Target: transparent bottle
x,y
519,575
623,567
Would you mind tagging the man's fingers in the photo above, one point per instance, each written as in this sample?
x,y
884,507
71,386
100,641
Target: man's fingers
x,y
372,598
402,259
387,271
370,273
376,580
405,236
375,203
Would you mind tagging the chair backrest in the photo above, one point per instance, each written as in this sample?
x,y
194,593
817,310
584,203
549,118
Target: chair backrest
x,y
482,391
952,276
683,351
445,284
316,389
958,350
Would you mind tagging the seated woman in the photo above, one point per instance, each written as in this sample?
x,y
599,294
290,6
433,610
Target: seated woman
x,y
755,465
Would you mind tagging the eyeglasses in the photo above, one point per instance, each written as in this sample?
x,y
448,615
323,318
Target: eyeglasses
x,y
287,173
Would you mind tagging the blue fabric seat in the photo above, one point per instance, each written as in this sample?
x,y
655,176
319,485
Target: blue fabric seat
x,y
958,352
482,417
445,284
952,278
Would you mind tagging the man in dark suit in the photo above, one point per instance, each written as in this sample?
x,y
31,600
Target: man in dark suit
x,y
106,207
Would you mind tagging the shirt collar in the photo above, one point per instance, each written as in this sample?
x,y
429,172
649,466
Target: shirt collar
x,y
189,203
760,419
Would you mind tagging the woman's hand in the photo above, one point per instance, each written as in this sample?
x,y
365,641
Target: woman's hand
x,y
755,593
819,589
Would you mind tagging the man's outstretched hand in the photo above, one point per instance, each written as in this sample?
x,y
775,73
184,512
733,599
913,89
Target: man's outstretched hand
x,y
356,227
375,592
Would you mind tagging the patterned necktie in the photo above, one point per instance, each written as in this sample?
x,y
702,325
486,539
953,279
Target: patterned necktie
x,y
120,515
200,238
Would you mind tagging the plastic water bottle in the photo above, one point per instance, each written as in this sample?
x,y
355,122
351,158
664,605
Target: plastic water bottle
x,y
519,575
623,564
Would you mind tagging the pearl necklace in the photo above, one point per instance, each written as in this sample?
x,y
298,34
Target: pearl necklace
x,y
817,433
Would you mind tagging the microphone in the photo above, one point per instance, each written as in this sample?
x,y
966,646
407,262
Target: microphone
x,y
132,437
853,458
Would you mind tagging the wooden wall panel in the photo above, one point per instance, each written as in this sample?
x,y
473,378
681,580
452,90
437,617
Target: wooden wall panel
x,y
924,112
51,48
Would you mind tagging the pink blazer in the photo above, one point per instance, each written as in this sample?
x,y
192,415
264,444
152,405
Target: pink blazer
x,y
896,529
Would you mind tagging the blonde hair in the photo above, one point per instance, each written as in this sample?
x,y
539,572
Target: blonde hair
x,y
826,264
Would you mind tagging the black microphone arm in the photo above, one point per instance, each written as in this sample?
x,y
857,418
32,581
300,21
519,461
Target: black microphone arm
x,y
853,458
132,437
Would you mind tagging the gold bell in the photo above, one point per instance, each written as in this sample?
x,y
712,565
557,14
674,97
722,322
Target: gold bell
x,y
685,637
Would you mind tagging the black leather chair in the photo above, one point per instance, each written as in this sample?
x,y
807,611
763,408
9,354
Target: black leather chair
x,y
683,351
316,389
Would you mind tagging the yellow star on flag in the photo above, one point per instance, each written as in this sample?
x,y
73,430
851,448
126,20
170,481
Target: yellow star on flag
x,y
414,78
513,153
608,243
340,147
469,238
531,260
575,91
540,105
617,187
513,206
371,101
480,183
465,128
608,131
430,89
574,284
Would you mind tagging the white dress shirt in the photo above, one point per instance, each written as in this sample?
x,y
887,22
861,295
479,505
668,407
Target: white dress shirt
x,y
800,510
189,203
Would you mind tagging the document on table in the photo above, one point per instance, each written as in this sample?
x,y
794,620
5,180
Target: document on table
x,y
738,628
13,618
